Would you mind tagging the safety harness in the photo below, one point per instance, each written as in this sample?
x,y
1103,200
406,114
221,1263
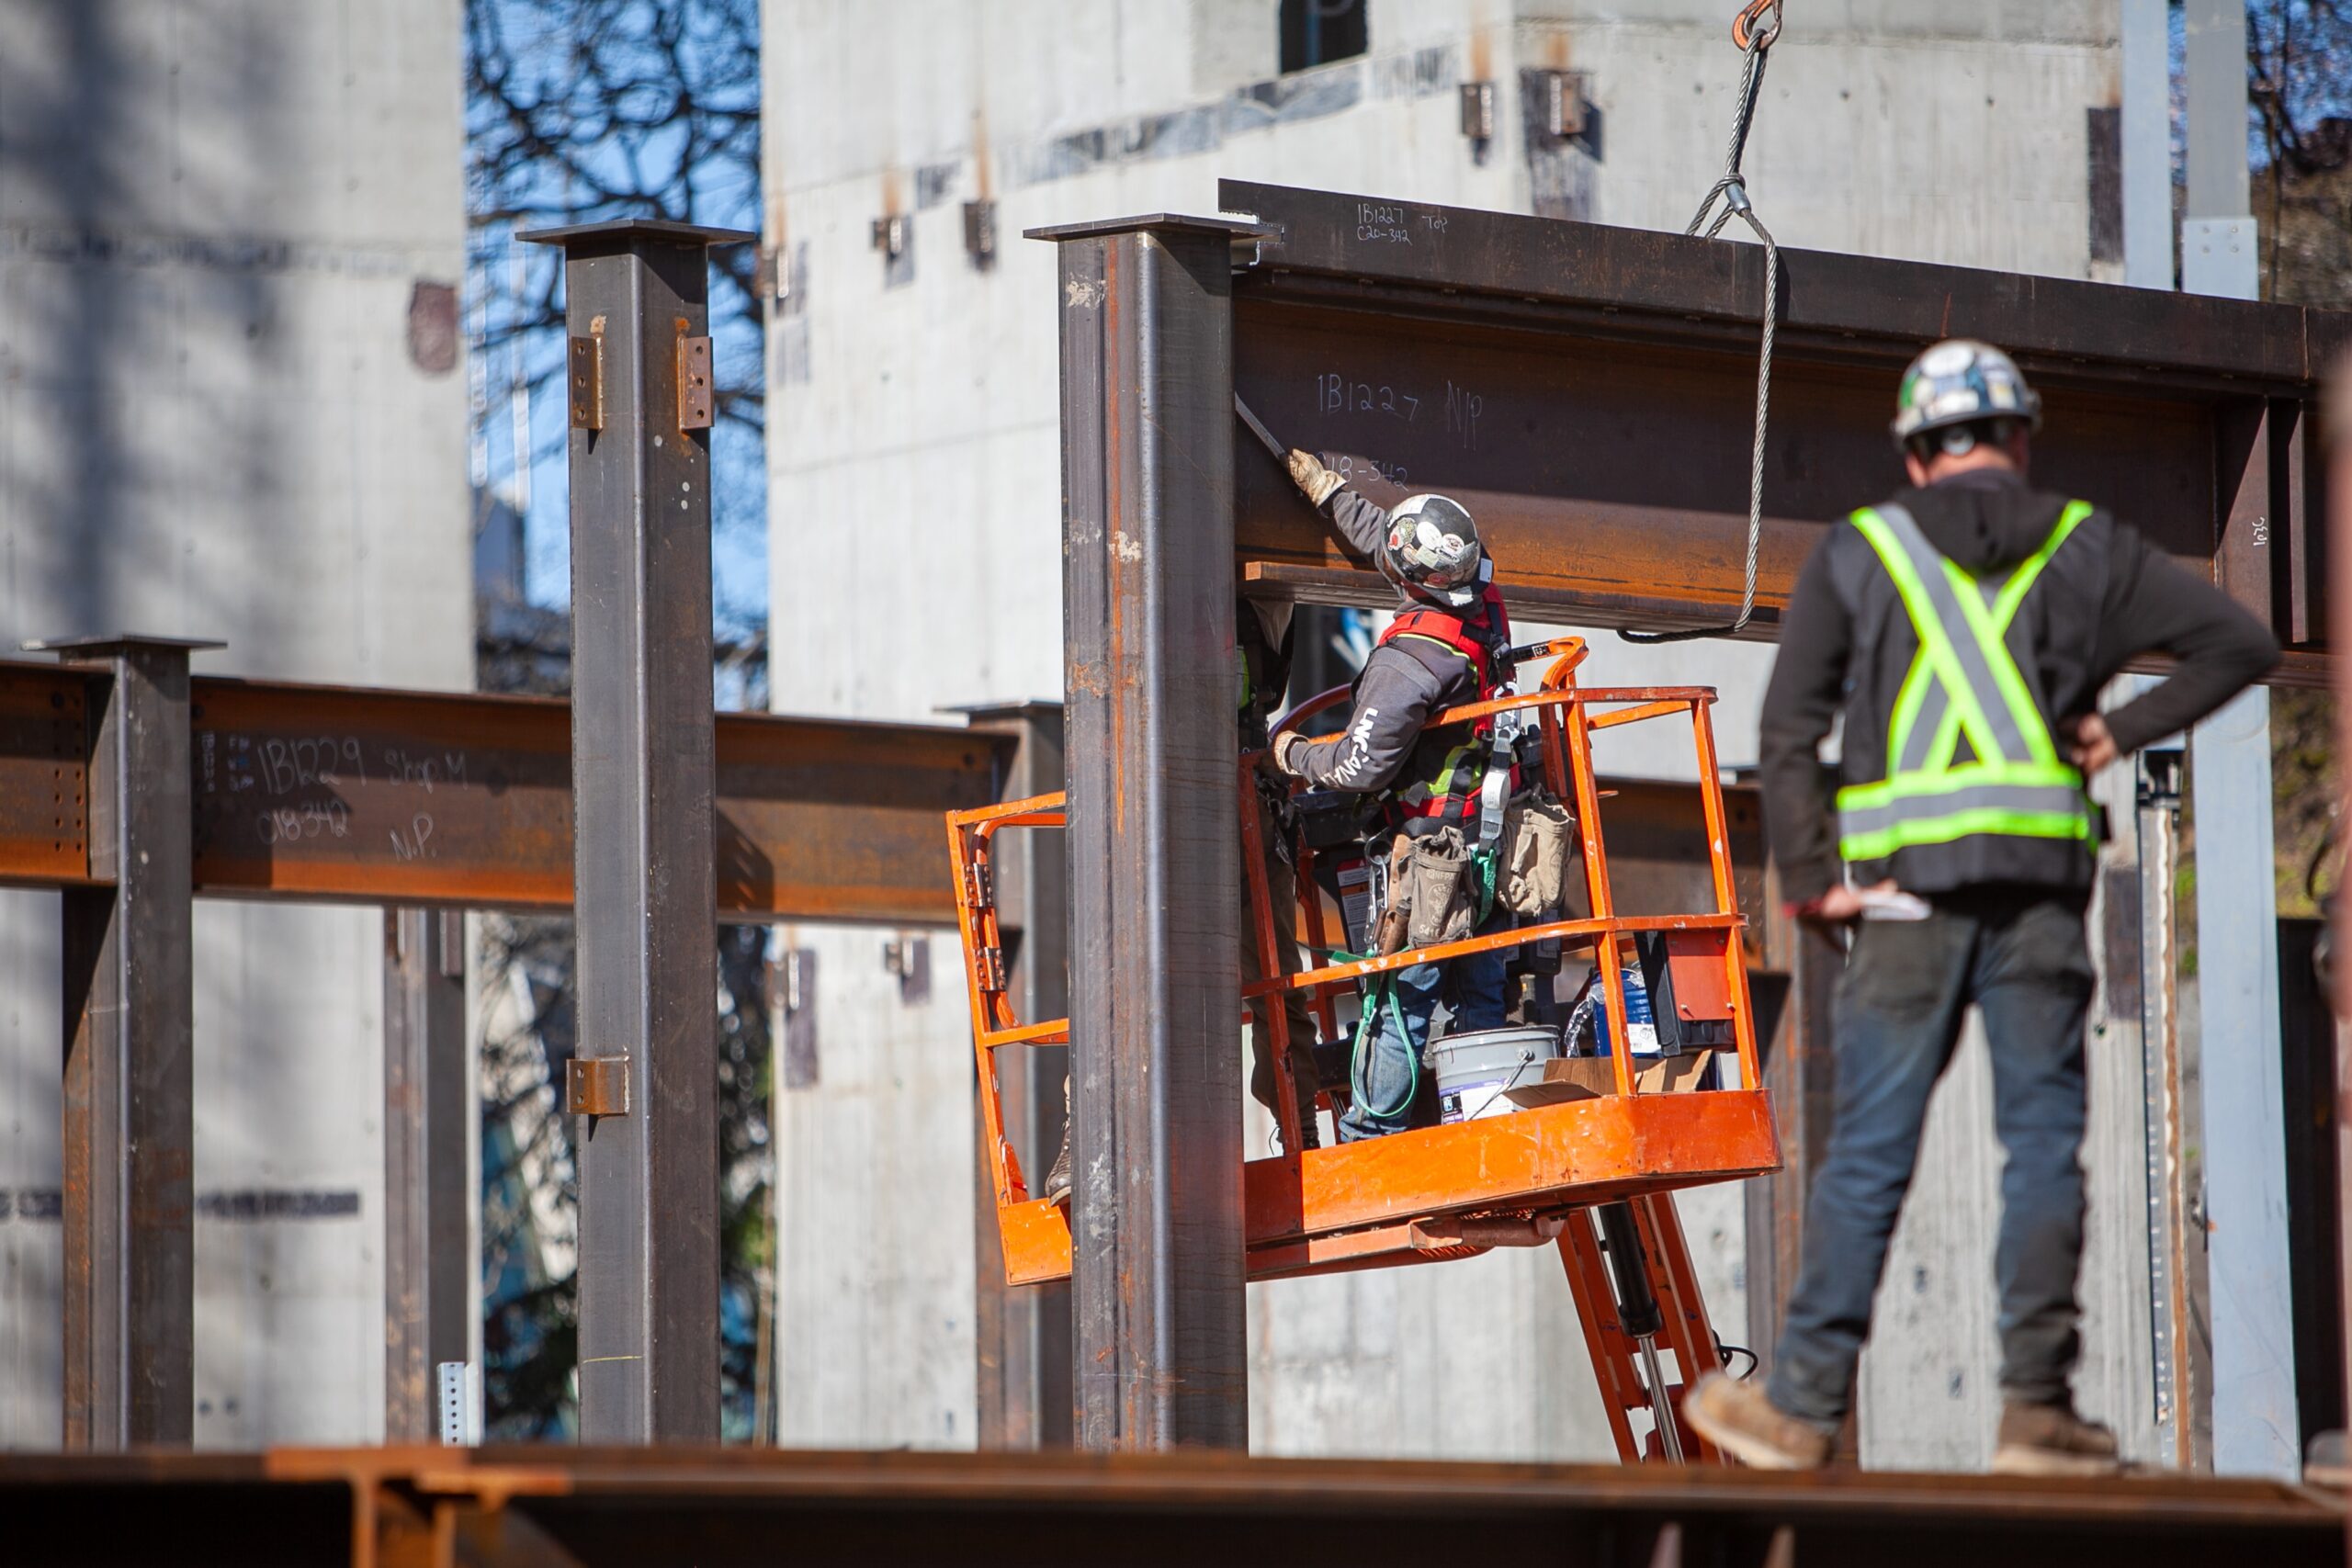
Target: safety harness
x,y
1448,767
1962,682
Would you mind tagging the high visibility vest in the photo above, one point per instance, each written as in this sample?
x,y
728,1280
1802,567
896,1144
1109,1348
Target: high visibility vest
x,y
1963,681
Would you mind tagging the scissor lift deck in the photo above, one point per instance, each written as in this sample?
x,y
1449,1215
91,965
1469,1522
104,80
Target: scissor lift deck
x,y
1461,1188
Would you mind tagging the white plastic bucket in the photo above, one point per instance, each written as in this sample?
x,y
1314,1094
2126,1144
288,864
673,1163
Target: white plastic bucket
x,y
1473,1069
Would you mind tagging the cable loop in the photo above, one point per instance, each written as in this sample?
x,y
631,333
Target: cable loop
x,y
1726,199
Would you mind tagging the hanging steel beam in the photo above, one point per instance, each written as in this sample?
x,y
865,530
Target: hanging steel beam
x,y
429,1189
1152,838
130,1090
1589,392
644,852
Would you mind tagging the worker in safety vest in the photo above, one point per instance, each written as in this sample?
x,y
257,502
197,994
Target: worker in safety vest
x,y
1444,648
1964,628
1263,635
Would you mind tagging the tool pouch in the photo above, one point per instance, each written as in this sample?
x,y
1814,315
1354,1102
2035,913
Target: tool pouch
x,y
1537,836
1438,903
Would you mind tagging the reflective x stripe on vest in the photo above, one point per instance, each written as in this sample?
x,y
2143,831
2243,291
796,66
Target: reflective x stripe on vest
x,y
1963,681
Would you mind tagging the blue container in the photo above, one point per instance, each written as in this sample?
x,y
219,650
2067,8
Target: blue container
x,y
1642,1030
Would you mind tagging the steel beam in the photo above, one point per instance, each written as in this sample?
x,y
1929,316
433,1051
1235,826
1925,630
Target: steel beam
x,y
644,780
130,1084
1153,838
1023,1351
543,1505
334,792
428,1188
1589,392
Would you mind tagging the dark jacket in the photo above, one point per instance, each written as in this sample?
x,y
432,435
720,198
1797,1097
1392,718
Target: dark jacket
x,y
1399,688
1846,643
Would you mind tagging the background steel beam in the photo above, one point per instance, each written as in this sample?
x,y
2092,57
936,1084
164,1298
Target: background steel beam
x,y
429,1256
344,794
1589,392
130,1090
1023,1349
1153,837
328,793
644,784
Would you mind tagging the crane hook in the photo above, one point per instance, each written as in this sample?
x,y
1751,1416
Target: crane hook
x,y
1743,31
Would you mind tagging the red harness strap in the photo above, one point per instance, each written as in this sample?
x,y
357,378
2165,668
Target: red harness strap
x,y
1443,625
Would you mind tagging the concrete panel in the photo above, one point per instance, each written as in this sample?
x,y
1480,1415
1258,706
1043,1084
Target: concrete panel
x,y
213,217
874,1159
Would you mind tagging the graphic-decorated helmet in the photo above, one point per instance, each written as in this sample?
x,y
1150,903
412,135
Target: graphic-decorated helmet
x,y
1962,382
1432,549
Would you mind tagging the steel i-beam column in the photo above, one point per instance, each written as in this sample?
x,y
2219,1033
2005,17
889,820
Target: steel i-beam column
x,y
1022,1331
428,1191
645,1083
130,1087
1153,835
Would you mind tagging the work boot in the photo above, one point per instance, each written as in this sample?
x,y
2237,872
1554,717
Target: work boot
x,y
1058,1179
2051,1440
1738,1420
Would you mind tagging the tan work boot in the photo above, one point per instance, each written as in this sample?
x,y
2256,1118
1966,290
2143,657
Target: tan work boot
x,y
1738,1420
2051,1440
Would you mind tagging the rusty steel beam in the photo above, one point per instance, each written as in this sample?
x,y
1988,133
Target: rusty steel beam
x,y
1589,392
1152,840
1022,1334
428,1203
556,1505
644,784
130,1081
347,795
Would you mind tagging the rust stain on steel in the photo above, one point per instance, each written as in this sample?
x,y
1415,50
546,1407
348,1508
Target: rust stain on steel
x,y
363,796
44,776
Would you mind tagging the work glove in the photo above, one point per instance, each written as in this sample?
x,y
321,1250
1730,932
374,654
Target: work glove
x,y
1290,746
1316,482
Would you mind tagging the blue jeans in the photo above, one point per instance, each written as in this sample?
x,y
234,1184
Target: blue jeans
x,y
2019,956
1471,985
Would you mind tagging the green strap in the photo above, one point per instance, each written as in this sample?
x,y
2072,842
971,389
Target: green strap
x,y
1377,993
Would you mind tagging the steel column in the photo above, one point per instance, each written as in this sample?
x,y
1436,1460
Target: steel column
x,y
2147,143
1023,1333
1152,839
130,1086
643,779
429,1189
2256,1429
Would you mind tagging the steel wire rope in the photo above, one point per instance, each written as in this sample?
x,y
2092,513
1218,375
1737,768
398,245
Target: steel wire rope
x,y
1731,193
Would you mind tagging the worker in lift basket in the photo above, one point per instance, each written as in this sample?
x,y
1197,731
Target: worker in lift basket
x,y
1444,648
1965,628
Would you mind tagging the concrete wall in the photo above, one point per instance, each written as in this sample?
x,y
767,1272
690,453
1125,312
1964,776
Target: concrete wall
x,y
914,407
227,411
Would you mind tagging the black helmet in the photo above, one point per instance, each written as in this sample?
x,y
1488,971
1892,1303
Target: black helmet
x,y
1432,549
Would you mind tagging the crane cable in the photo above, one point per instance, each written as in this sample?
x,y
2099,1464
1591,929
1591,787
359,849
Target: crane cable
x,y
1729,198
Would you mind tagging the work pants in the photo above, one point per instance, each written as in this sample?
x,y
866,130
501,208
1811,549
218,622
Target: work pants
x,y
1282,898
2019,956
1385,1080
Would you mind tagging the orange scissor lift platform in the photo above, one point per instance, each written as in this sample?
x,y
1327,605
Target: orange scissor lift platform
x,y
1529,1177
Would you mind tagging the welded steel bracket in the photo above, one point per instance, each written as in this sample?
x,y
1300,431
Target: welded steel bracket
x,y
596,1085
